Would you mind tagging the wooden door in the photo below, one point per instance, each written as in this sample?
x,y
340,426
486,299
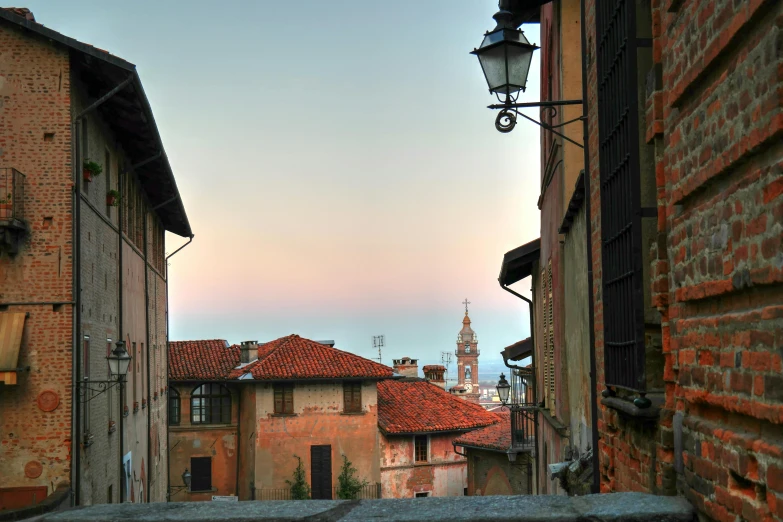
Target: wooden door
x,y
321,471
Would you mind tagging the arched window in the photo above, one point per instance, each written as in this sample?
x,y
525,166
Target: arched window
x,y
210,404
174,407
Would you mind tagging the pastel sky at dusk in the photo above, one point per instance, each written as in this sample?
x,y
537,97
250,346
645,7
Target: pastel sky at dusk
x,y
340,169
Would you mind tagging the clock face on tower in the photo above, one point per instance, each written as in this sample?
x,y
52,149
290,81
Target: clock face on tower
x,y
468,387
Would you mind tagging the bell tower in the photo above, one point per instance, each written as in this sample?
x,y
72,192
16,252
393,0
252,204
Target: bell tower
x,y
467,361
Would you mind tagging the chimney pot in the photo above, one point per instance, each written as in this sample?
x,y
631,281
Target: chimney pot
x,y
249,351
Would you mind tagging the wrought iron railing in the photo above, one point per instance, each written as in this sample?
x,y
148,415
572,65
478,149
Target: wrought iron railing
x,y
11,194
370,491
523,408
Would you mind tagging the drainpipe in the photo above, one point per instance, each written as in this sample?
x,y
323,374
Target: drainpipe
x,y
76,125
596,486
533,357
168,439
149,352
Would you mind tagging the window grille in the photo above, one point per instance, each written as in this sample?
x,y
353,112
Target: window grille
x,y
174,407
618,130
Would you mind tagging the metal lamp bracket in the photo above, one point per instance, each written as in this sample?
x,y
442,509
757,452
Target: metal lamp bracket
x,y
506,119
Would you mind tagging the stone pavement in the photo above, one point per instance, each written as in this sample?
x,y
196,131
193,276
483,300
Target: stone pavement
x,y
633,507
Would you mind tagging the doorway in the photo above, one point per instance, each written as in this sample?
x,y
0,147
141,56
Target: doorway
x,y
321,471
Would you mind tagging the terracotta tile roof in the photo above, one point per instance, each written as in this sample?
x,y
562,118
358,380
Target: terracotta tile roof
x,y
494,437
414,405
21,11
294,357
201,360
434,367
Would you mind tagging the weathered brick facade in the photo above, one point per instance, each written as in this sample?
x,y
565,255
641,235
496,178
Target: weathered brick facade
x,y
712,118
51,433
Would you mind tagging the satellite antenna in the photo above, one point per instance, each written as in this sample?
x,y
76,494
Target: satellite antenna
x,y
378,342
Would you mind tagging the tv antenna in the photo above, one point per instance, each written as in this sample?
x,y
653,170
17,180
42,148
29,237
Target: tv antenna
x,y
445,359
378,342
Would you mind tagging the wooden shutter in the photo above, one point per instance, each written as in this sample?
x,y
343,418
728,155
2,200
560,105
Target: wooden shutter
x,y
278,398
550,337
201,473
321,471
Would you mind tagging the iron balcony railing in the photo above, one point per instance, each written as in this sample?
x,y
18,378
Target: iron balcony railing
x,y
11,194
523,408
370,491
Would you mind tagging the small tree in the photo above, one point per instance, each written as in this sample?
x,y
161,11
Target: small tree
x,y
348,485
300,489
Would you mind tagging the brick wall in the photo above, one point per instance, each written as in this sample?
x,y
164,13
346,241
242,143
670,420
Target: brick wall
x,y
716,123
35,445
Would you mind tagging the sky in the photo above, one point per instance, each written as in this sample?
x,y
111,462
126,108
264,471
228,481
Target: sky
x,y
339,167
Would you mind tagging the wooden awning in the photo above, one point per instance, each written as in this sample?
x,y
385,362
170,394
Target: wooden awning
x,y
11,328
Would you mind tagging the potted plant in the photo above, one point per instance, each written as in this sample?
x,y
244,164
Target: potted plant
x,y
6,207
90,169
112,198
112,426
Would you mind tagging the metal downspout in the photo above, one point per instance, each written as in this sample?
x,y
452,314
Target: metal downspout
x,y
168,438
596,486
77,316
149,353
123,398
533,363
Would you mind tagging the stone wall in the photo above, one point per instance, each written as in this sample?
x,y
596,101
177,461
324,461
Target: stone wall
x,y
35,138
713,114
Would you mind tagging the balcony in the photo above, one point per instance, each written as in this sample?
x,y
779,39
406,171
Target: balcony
x,y
523,409
13,226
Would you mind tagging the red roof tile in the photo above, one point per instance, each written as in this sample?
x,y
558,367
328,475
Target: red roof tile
x,y
415,406
294,357
437,367
495,437
201,360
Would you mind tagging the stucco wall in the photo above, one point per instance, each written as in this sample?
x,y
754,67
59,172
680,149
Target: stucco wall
x,y
491,473
318,419
445,475
577,341
217,441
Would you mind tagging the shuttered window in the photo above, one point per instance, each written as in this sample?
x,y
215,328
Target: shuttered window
x,y
201,473
550,337
352,397
284,398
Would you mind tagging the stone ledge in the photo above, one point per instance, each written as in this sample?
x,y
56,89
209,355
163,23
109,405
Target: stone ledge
x,y
633,507
629,409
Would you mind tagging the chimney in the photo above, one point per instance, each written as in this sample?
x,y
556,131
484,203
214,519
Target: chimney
x,y
249,351
407,367
434,373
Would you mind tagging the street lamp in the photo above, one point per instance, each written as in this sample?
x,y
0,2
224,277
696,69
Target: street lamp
x,y
503,388
119,360
505,55
186,476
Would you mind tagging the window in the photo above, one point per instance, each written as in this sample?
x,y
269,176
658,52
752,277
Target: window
x,y
107,172
200,473
468,374
467,347
86,377
423,494
210,404
420,448
174,407
352,397
284,398
621,212
85,155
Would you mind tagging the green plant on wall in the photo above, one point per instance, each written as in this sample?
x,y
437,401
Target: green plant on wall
x,y
6,200
300,489
348,485
92,167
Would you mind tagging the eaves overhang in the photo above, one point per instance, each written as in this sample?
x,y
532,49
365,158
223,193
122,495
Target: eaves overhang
x,y
518,263
129,115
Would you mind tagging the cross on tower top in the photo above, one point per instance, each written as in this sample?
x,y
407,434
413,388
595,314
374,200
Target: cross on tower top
x,y
466,303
